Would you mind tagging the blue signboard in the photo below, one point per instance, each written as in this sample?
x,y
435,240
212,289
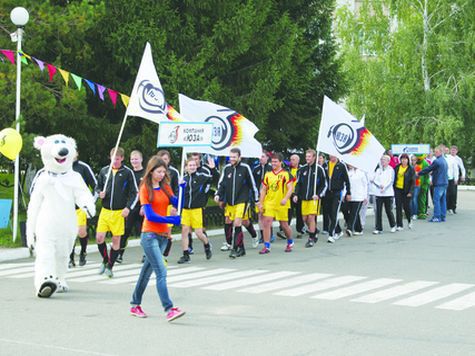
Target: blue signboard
x,y
5,208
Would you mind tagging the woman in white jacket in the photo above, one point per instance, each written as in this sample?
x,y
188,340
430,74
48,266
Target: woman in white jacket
x,y
359,194
383,182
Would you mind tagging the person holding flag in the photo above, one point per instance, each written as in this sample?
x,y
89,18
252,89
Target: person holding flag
x,y
338,189
309,194
277,187
119,197
233,194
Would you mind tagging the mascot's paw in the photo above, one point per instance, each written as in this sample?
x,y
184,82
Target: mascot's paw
x,y
62,287
47,289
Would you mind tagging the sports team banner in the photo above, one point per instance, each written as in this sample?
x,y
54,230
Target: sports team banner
x,y
230,129
148,99
184,134
344,136
414,149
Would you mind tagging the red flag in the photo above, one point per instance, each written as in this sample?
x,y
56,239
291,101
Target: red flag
x,y
113,96
9,54
51,71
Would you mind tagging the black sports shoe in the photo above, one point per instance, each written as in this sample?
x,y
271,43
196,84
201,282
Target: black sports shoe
x,y
82,259
71,263
208,253
240,252
184,259
233,254
311,242
119,259
282,235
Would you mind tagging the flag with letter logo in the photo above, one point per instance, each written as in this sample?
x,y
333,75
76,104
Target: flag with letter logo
x,y
344,136
148,99
230,129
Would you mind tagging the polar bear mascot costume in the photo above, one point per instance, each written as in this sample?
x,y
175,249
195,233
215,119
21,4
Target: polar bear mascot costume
x,y
51,225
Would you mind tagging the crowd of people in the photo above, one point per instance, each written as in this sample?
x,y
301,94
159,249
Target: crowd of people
x,y
144,201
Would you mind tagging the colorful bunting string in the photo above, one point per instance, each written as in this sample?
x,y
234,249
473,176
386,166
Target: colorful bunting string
x,y
78,80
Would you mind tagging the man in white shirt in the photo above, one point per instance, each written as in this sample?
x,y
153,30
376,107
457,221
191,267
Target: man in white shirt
x,y
456,174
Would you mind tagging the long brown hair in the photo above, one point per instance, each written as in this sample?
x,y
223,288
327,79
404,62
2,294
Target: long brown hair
x,y
153,163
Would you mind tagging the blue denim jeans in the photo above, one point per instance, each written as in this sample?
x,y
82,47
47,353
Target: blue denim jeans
x,y
440,202
153,246
415,201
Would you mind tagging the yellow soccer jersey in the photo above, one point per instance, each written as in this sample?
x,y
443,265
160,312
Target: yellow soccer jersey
x,y
276,185
293,172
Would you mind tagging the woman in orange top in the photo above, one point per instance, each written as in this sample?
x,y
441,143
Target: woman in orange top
x,y
155,197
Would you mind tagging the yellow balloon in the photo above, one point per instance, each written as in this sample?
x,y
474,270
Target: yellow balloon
x,y
10,143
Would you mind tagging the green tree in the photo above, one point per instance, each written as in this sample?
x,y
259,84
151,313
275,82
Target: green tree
x,y
410,70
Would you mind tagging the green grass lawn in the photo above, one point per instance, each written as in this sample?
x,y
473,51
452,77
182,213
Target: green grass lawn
x,y
6,192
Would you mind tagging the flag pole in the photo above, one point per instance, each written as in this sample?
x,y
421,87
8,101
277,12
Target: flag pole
x,y
115,151
182,173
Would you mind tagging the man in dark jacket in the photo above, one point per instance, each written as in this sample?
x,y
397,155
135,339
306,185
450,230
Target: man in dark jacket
x,y
440,181
338,188
119,196
233,193
309,190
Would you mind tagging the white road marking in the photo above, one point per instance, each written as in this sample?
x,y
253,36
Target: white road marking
x,y
294,281
315,287
209,280
356,289
462,303
394,292
434,294
250,281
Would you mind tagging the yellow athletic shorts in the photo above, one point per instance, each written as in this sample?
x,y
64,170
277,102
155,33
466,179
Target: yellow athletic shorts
x,y
278,213
111,220
192,218
81,217
237,211
169,209
311,207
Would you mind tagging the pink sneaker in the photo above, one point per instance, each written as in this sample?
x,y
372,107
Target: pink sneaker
x,y
264,251
289,247
174,313
138,312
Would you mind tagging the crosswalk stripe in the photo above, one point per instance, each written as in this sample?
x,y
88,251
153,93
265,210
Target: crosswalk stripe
x,y
69,274
433,295
122,270
221,278
356,289
250,281
315,287
202,274
462,303
16,271
14,265
294,281
394,292
135,276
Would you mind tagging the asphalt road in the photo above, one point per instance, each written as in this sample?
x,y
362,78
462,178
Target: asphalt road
x,y
408,293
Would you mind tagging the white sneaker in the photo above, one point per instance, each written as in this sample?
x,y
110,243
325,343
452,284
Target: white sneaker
x,y
399,228
393,229
331,240
337,236
226,246
356,233
410,225
414,217
377,232
255,242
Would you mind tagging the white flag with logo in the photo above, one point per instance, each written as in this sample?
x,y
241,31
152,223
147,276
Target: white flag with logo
x,y
230,129
344,136
148,99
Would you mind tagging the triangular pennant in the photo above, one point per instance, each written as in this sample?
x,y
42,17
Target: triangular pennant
x,y
23,59
40,63
51,71
100,91
125,99
26,55
113,96
9,54
91,85
77,80
65,75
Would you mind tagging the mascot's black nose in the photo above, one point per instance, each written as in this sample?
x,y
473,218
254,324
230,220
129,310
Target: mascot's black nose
x,y
63,152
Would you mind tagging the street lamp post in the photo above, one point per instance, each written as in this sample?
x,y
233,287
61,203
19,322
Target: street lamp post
x,y
19,17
